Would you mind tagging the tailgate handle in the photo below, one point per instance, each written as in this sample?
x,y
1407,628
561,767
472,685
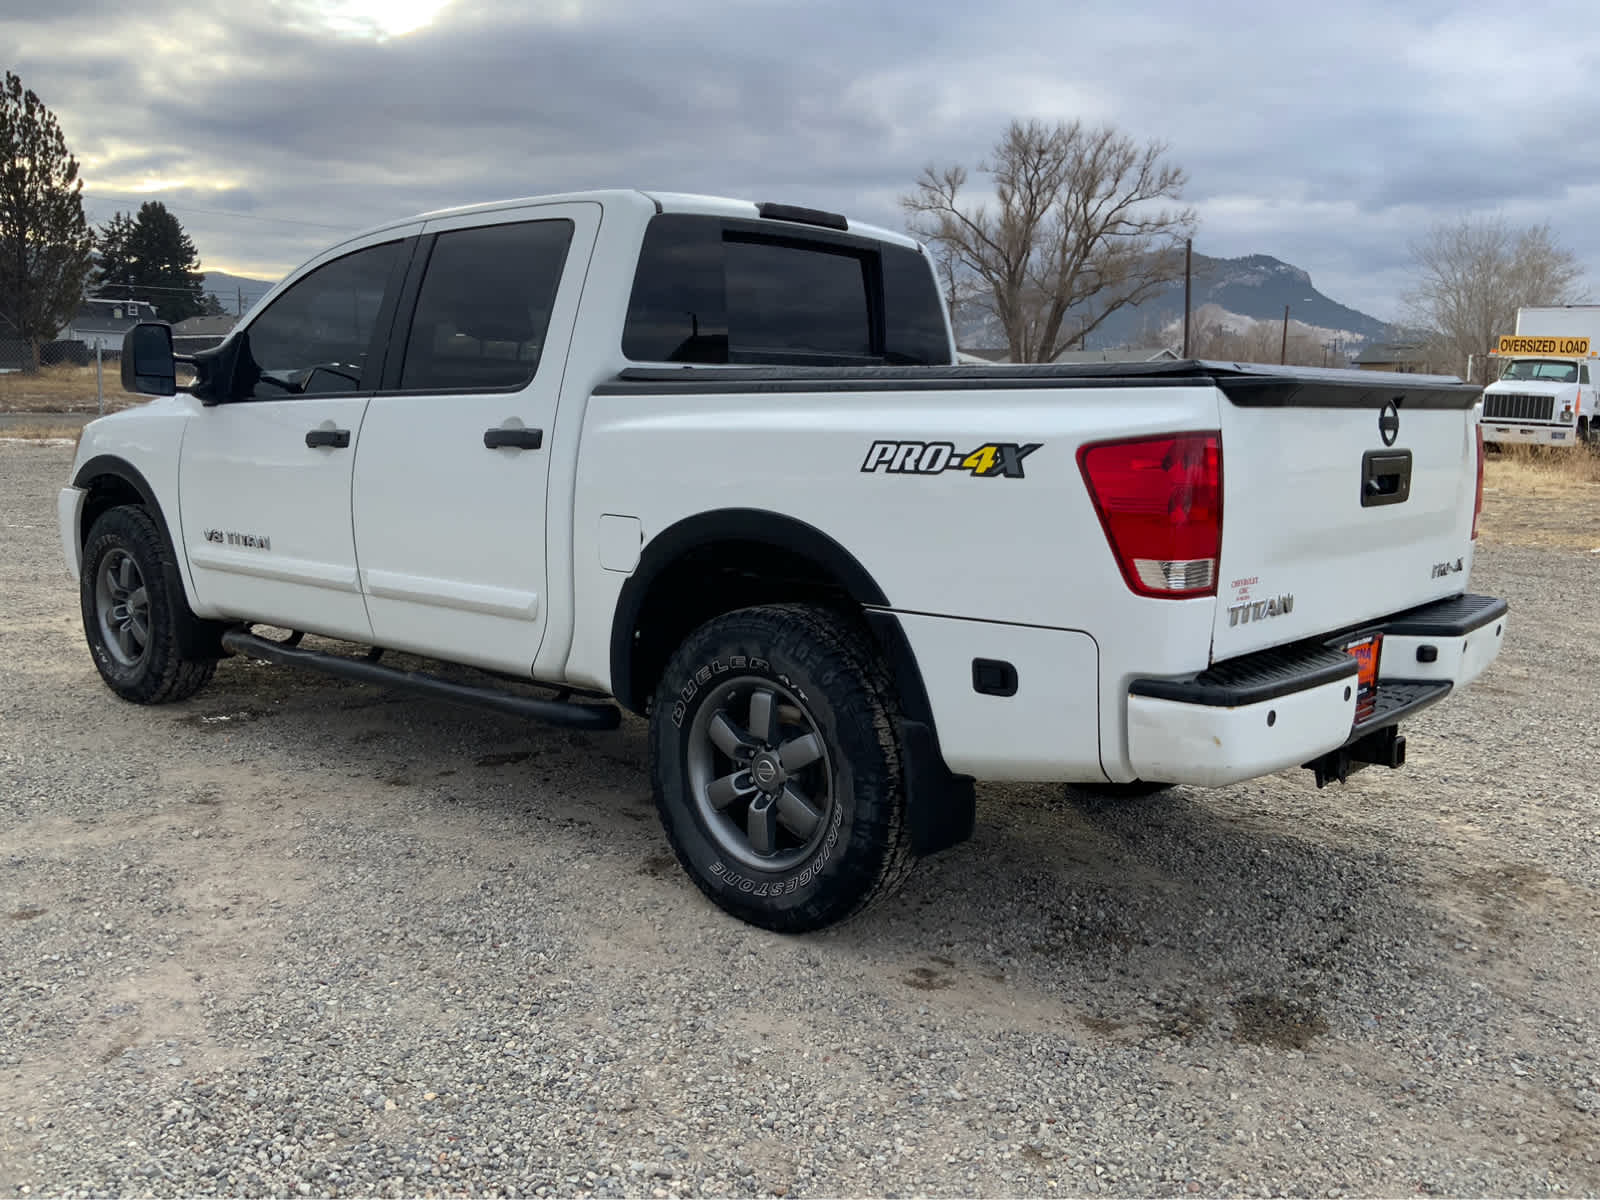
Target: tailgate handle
x,y
1385,477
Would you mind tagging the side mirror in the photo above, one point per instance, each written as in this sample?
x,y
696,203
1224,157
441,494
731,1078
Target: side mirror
x,y
148,367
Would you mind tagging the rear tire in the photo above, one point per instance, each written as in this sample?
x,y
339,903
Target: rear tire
x,y
134,610
777,770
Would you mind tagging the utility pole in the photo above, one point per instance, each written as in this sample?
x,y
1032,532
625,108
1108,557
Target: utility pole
x,y
238,301
1283,348
1188,264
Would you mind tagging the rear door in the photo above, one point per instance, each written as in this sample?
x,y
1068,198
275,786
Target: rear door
x,y
264,476
449,485
1344,499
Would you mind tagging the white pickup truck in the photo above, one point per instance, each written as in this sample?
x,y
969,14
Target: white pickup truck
x,y
716,463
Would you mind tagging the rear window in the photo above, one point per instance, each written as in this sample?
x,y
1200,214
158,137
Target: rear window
x,y
714,291
788,297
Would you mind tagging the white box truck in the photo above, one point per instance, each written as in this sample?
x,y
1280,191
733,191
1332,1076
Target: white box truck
x,y
1545,392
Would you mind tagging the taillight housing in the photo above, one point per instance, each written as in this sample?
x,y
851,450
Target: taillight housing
x,y
1160,503
1477,501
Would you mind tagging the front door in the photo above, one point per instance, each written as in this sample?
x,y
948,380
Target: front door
x,y
264,476
449,492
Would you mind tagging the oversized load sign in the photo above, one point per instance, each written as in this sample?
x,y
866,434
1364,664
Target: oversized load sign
x,y
1560,347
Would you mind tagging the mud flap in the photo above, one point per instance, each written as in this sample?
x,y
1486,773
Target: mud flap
x,y
941,808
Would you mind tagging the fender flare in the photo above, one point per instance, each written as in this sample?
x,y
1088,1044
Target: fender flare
x,y
727,525
102,465
941,806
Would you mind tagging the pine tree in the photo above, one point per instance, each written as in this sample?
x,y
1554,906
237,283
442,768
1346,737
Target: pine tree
x,y
44,239
150,257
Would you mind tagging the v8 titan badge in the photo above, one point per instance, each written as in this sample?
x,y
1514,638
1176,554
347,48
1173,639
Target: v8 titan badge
x,y
992,460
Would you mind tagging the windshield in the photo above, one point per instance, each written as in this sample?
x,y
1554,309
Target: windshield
x,y
1545,370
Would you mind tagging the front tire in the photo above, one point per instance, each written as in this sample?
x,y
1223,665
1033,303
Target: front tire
x,y
776,767
134,608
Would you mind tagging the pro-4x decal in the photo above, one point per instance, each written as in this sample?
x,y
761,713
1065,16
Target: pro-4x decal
x,y
992,460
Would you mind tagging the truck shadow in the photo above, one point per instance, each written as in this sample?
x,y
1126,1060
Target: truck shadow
x,y
1189,913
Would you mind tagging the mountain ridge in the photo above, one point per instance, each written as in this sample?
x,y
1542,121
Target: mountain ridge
x,y
1252,286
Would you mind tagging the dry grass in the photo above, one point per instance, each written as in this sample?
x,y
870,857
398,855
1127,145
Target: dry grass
x,y
1538,497
41,433
1534,468
61,389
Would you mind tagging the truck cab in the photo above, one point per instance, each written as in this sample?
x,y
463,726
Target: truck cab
x,y
1542,401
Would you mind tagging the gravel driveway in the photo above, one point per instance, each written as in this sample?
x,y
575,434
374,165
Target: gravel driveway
x,y
302,937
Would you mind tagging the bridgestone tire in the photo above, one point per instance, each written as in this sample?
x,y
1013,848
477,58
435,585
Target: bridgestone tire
x,y
127,539
851,845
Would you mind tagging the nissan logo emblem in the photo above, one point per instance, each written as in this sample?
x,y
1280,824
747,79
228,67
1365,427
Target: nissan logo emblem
x,y
1389,423
766,771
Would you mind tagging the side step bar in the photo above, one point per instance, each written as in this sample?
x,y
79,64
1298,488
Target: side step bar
x,y
551,712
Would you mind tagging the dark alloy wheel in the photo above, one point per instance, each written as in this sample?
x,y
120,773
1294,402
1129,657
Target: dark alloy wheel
x,y
122,608
776,768
135,616
759,773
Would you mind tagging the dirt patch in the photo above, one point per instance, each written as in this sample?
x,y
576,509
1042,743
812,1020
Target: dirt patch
x,y
1272,1020
1104,1026
505,759
926,979
1185,1021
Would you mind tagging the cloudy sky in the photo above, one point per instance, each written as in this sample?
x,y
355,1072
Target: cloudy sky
x,y
1327,135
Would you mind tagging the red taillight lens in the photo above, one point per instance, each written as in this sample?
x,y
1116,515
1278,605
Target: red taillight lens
x,y
1477,503
1160,502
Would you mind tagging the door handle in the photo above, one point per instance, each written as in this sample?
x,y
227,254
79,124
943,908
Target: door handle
x,y
328,437
517,439
1385,477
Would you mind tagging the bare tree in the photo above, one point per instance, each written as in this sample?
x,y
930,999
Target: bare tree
x,y
1473,275
1077,230
44,238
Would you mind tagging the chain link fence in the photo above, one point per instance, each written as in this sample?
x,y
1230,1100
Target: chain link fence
x,y
64,376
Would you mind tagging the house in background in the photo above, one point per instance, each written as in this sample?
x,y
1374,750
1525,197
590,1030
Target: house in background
x,y
201,333
1410,358
101,322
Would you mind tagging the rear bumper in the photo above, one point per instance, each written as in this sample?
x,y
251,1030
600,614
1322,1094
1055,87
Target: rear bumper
x,y
1295,706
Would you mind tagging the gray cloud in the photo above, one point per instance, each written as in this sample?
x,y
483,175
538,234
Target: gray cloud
x,y
1329,138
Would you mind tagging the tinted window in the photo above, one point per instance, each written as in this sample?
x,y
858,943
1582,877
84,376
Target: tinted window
x,y
316,337
787,297
484,307
1583,373
915,331
714,291
678,312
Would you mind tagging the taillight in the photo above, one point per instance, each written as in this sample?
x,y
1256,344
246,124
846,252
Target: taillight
x,y
1477,502
1160,503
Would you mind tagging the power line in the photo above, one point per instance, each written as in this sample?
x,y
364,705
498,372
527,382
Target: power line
x,y
260,287
106,197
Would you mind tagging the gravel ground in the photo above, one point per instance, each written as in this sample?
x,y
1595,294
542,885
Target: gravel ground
x,y
301,937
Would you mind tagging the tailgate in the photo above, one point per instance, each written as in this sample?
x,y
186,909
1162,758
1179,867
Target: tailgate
x,y
1347,496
